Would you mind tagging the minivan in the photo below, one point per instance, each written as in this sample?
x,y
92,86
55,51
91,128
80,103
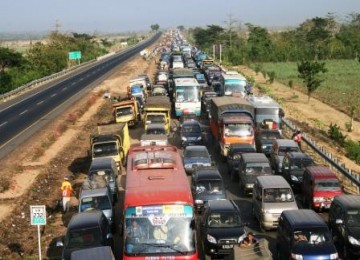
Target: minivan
x,y
107,168
303,234
344,222
252,165
319,187
278,150
272,195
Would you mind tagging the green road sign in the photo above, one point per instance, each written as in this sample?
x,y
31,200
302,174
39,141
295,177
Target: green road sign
x,y
75,55
38,215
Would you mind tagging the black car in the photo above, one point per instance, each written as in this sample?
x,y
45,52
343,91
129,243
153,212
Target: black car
x,y
206,101
207,184
221,227
86,230
191,116
264,139
344,222
233,158
191,133
293,167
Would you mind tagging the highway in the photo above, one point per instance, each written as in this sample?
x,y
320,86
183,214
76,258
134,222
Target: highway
x,y
20,119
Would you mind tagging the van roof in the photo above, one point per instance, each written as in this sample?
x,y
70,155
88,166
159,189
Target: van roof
x,y
320,172
348,201
273,181
301,218
254,157
85,219
101,162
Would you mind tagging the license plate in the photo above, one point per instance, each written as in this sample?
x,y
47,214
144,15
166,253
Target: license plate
x,y
227,246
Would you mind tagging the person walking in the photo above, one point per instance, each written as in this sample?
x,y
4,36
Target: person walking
x,y
297,137
66,191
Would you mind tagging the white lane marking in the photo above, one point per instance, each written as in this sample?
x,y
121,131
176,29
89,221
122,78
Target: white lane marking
x,y
53,95
23,112
38,103
64,88
81,79
72,84
3,124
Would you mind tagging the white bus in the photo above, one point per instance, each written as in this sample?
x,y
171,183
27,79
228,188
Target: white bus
x,y
233,84
187,96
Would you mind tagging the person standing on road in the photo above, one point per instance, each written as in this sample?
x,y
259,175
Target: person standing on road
x,y
66,191
297,137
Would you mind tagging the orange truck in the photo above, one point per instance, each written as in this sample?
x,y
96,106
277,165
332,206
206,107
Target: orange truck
x,y
231,121
127,111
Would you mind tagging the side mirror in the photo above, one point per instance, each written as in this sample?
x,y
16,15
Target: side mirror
x,y
109,236
339,221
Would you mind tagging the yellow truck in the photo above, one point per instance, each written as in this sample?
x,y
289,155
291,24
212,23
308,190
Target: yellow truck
x,y
158,110
111,140
127,111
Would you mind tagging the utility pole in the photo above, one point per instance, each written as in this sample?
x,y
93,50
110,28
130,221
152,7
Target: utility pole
x,y
230,24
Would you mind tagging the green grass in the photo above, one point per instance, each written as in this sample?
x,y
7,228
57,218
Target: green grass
x,y
340,89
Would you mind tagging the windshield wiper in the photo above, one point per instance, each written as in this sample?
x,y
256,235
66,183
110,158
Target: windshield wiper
x,y
170,246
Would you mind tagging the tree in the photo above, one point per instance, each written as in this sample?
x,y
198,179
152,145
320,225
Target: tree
x,y
9,58
309,72
181,28
259,43
154,27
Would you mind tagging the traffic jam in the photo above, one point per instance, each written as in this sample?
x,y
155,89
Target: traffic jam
x,y
212,176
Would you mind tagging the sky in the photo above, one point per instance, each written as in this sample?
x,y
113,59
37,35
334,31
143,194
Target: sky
x,y
110,16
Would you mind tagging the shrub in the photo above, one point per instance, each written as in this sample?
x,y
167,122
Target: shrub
x,y
4,184
291,83
335,134
257,68
271,75
353,150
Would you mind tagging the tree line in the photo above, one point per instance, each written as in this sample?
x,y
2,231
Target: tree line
x,y
319,38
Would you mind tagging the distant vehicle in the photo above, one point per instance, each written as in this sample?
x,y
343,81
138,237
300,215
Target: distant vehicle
x,y
158,90
264,140
207,184
191,133
155,134
293,167
206,102
188,116
303,234
344,222
194,156
221,227
278,150
187,95
319,187
232,84
86,230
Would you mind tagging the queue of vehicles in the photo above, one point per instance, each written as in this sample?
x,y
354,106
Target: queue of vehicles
x,y
161,207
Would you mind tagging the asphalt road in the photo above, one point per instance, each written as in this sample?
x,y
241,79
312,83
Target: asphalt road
x,y
20,119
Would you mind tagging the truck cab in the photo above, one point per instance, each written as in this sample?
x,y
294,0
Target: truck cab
x,y
127,112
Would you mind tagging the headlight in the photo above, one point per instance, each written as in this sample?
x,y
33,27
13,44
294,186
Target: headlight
x,y
241,238
199,138
354,241
334,256
294,178
211,239
263,146
297,257
188,165
318,199
249,185
183,138
199,202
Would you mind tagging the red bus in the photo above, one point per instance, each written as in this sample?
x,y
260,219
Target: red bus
x,y
159,220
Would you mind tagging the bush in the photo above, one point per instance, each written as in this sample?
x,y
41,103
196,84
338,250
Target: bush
x,y
291,83
271,75
258,68
335,134
4,184
353,150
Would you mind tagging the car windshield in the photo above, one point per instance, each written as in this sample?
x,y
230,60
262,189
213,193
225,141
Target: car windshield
x,y
210,187
327,184
257,168
238,129
187,94
81,238
105,149
108,175
155,131
191,129
287,149
196,153
155,119
124,111
136,89
312,236
353,218
224,219
301,164
100,202
278,195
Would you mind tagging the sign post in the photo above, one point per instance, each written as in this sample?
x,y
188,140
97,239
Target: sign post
x,y
75,55
38,218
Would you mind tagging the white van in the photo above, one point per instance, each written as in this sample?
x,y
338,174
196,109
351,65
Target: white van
x,y
271,195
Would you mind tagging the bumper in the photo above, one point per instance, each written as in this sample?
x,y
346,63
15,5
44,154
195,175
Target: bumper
x,y
218,249
270,221
192,142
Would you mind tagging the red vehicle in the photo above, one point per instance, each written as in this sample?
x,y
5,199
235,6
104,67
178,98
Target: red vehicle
x,y
159,220
232,121
319,187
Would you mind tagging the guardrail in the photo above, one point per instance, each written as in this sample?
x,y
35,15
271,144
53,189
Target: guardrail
x,y
66,71
352,179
